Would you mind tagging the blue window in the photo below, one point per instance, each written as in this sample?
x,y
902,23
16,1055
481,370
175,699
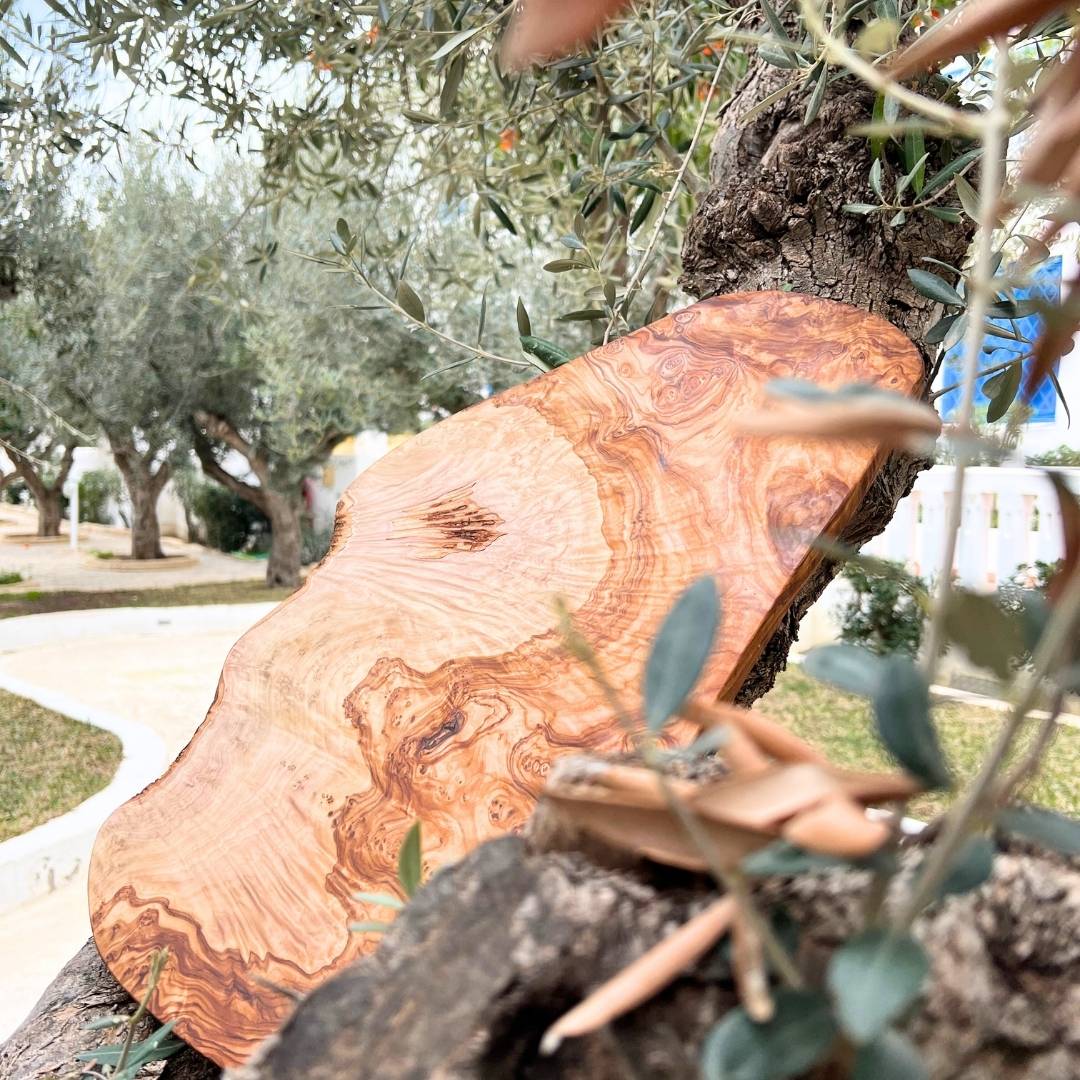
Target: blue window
x,y
1046,285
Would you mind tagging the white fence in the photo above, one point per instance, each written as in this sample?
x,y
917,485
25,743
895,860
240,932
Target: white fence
x,y
1010,518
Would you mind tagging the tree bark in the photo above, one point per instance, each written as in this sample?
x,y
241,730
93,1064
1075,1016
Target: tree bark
x,y
773,219
144,483
50,510
46,1042
283,508
283,566
493,949
48,495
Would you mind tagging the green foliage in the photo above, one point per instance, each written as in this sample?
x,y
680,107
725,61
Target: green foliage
x,y
1036,576
847,667
902,712
991,635
873,978
98,489
124,1061
1062,457
901,701
885,612
973,865
10,577
798,1036
891,1056
229,523
1055,831
679,651
782,859
410,866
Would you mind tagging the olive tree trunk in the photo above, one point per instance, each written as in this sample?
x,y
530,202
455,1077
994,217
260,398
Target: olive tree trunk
x,y
285,513
773,219
47,491
278,492
144,480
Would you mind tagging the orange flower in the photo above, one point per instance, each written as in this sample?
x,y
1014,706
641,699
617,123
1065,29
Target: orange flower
x,y
373,34
508,139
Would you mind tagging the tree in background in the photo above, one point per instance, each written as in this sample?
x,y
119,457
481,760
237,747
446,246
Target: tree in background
x,y
41,448
38,417
153,337
307,368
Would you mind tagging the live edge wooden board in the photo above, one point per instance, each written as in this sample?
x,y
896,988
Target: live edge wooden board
x,y
418,674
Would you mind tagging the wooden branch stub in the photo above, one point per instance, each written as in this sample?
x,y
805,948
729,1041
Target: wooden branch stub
x,y
419,672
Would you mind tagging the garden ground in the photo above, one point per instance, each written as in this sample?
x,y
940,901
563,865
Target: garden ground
x,y
52,565
841,726
48,763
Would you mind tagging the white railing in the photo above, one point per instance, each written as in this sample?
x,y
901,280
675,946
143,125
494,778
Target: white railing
x,y
1010,518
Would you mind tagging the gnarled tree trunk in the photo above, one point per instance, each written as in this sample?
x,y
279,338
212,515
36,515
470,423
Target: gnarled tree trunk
x,y
144,482
283,506
48,495
773,219
283,566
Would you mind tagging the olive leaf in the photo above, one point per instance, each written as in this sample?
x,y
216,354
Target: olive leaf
x,y
873,978
891,1056
797,1037
410,303
902,711
679,651
1055,831
847,667
934,287
971,866
410,867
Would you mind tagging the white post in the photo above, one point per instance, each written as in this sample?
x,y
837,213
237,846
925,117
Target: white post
x,y
73,514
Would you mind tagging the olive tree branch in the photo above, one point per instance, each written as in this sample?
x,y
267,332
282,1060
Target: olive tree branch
x,y
840,53
634,284
980,293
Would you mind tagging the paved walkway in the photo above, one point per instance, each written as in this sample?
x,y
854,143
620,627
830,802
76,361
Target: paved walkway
x,y
52,566
155,666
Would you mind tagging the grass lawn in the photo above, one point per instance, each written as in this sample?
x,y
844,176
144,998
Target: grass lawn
x,y
231,592
48,763
842,727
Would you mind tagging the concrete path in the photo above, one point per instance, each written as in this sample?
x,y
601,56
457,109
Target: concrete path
x,y
53,566
156,667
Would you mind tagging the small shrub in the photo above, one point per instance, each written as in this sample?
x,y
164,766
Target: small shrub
x,y
884,613
16,493
98,554
1063,457
1035,575
10,577
228,522
98,488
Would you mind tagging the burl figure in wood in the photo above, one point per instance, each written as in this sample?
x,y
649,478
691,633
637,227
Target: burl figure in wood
x,y
418,674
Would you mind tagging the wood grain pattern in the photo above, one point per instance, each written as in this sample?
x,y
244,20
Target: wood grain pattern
x,y
418,673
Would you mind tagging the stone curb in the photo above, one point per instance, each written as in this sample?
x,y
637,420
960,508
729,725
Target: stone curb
x,y
41,860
